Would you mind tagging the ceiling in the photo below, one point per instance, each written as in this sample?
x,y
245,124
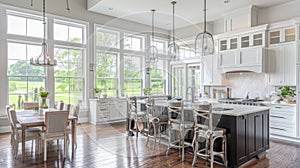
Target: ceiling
x,y
187,11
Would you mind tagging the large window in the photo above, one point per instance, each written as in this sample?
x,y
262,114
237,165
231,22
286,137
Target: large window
x,y
69,80
24,24
132,75
134,42
107,38
161,46
25,81
186,52
106,73
177,81
69,31
157,78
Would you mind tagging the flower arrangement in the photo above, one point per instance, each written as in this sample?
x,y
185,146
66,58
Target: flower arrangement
x,y
287,93
44,94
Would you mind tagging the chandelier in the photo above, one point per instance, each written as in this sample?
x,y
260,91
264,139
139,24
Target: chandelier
x,y
44,59
204,43
173,48
152,52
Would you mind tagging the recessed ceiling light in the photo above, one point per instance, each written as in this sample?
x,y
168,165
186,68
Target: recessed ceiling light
x,y
226,1
110,8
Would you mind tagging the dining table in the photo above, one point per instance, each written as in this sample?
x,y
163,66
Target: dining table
x,y
36,118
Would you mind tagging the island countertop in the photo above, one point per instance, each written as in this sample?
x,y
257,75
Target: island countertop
x,y
225,109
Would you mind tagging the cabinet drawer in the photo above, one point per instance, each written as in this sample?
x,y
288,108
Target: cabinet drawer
x,y
276,117
103,116
285,131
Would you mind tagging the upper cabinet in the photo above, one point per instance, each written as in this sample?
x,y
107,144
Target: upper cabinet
x,y
283,35
252,37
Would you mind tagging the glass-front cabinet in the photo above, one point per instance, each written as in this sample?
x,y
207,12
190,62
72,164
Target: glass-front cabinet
x,y
283,35
223,45
233,43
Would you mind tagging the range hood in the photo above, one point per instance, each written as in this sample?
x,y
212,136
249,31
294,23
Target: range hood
x,y
249,60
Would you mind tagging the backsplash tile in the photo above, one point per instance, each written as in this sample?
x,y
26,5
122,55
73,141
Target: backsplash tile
x,y
242,83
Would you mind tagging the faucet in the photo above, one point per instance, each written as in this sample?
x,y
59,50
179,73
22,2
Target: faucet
x,y
192,93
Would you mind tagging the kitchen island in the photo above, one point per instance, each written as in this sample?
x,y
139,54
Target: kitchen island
x,y
247,129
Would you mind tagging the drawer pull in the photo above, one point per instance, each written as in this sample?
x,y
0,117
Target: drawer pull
x,y
278,128
278,107
277,116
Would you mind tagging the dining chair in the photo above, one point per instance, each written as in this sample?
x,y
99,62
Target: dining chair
x,y
55,129
59,105
135,116
208,135
8,108
155,120
30,105
31,132
66,107
178,124
74,111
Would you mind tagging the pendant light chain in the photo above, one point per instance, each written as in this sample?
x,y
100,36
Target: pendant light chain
x,y
44,23
204,15
153,10
174,2
68,5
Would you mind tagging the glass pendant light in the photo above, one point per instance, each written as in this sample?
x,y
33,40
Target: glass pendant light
x,y
204,43
152,50
173,48
43,59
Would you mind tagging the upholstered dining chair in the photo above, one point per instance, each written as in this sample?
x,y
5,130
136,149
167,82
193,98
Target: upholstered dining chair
x,y
66,107
30,105
31,132
59,105
204,129
55,129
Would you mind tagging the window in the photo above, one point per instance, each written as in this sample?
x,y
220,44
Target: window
x,y
25,81
186,52
107,38
106,73
178,81
134,42
24,24
157,78
69,79
133,75
69,31
161,46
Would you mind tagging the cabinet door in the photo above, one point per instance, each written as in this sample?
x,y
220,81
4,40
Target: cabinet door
x,y
223,45
274,37
245,41
289,52
242,139
256,133
275,63
257,39
289,34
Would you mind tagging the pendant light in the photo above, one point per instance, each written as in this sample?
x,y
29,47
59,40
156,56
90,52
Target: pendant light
x,y
152,50
204,43
173,48
44,59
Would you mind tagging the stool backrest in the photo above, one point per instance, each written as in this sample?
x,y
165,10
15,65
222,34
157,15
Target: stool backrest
x,y
132,104
202,115
176,111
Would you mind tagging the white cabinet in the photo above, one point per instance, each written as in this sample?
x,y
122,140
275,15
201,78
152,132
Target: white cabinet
x,y
211,75
283,35
283,120
107,110
250,59
282,64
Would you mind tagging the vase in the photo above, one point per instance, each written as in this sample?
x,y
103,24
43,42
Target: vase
x,y
44,102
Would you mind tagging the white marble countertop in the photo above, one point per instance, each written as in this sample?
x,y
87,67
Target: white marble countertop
x,y
230,109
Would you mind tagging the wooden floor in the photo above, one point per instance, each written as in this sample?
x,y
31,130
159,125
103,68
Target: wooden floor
x,y
107,146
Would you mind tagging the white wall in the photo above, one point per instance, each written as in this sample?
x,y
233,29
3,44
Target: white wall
x,y
279,13
192,31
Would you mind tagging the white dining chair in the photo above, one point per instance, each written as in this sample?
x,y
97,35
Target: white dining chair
x,y
55,129
30,105
59,105
31,132
74,111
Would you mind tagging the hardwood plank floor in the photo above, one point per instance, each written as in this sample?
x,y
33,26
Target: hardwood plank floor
x,y
107,146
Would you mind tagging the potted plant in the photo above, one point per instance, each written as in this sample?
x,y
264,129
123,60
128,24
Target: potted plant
x,y
147,91
97,92
43,101
287,93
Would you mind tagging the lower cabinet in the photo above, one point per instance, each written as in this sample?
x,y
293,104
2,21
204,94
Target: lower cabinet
x,y
107,110
247,136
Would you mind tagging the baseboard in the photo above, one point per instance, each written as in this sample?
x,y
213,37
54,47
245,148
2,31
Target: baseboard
x,y
5,129
295,140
